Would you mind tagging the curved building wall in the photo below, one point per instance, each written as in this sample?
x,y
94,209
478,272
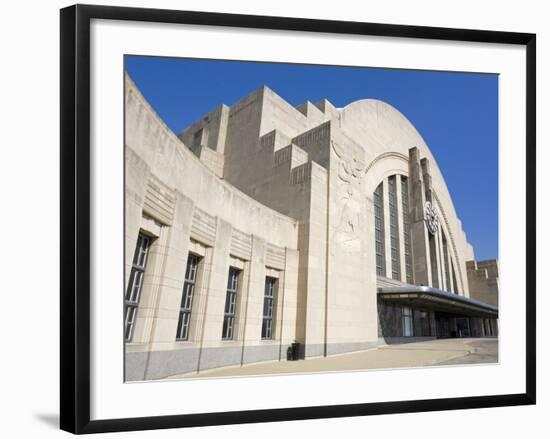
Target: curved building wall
x,y
386,133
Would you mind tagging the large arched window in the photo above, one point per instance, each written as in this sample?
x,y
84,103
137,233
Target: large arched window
x,y
393,239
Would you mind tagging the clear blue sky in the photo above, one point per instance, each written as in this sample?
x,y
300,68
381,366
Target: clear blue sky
x,y
456,114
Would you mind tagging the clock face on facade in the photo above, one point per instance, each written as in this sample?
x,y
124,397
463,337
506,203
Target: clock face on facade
x,y
431,217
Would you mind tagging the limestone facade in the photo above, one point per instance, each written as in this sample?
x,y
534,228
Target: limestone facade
x,y
264,224
483,276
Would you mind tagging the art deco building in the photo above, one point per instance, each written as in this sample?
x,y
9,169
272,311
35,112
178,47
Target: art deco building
x,y
264,224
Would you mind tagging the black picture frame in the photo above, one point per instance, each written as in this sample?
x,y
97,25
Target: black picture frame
x,y
75,217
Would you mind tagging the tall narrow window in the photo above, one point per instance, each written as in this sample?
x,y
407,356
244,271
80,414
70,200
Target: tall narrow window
x,y
407,318
379,230
182,333
394,228
424,321
230,304
406,229
269,302
446,263
433,261
135,284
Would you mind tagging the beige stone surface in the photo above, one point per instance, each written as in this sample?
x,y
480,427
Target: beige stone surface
x,y
429,353
483,277
159,167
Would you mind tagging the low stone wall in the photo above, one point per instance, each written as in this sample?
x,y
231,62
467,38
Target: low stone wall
x,y
153,365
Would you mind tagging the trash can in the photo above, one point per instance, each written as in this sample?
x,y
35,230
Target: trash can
x,y
293,352
289,353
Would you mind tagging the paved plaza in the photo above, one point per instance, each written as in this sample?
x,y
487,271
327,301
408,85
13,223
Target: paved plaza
x,y
427,353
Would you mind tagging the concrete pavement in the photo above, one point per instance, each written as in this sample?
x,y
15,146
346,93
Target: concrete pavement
x,y
420,354
482,351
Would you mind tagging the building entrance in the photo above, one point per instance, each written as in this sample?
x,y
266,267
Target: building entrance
x,y
451,326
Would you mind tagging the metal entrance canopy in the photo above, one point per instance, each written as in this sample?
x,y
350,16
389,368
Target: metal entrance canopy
x,y
437,300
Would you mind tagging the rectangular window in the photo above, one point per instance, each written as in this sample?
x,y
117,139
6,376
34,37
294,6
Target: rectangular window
x,y
408,330
406,229
425,329
379,231
446,263
230,304
433,261
394,229
135,284
269,302
182,333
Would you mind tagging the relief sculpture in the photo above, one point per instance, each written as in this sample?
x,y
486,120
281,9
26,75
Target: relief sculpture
x,y
350,175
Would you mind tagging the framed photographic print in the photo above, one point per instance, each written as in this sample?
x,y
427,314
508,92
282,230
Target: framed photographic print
x,y
304,218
